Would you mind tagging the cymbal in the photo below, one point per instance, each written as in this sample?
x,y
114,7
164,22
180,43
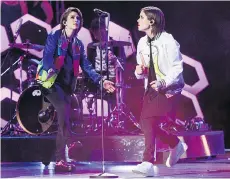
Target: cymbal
x,y
27,46
112,43
34,61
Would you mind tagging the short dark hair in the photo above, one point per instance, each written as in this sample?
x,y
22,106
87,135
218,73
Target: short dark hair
x,y
95,24
154,13
67,12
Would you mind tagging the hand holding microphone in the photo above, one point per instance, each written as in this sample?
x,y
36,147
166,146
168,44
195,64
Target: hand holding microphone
x,y
139,69
142,69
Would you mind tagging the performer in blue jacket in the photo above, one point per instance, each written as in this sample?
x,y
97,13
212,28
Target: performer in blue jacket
x,y
63,54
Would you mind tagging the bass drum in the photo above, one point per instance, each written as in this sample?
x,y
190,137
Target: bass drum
x,y
32,104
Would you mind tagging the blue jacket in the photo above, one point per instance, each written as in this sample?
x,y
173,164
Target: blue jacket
x,y
56,48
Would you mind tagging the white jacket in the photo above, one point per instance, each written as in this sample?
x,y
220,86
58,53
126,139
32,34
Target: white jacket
x,y
167,58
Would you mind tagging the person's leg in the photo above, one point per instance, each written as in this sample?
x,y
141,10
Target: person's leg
x,y
147,127
146,168
61,103
151,130
177,147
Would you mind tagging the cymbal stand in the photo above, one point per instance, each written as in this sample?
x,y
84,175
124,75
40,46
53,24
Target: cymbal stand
x,y
21,59
10,127
116,121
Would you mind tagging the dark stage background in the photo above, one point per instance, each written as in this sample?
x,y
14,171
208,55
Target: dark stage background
x,y
203,31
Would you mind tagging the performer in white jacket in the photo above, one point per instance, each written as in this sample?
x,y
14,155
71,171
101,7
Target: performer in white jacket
x,y
167,59
160,65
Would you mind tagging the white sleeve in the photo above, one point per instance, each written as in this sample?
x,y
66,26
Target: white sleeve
x,y
175,59
138,58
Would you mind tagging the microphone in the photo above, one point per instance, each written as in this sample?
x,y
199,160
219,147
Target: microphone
x,y
107,19
101,13
18,28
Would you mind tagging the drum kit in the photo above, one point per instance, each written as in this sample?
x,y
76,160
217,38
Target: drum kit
x,y
36,115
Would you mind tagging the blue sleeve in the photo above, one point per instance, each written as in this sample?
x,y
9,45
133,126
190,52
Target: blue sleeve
x,y
49,50
87,66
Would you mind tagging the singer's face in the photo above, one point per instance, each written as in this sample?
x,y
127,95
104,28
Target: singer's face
x,y
143,23
73,21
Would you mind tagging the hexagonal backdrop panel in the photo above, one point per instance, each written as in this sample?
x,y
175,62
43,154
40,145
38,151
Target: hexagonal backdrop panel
x,y
202,82
17,75
188,107
7,103
190,75
4,39
121,34
32,29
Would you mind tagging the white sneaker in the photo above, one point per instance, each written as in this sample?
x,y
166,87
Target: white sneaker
x,y
176,153
145,168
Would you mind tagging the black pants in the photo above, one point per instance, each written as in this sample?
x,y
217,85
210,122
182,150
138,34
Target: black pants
x,y
62,103
152,130
155,108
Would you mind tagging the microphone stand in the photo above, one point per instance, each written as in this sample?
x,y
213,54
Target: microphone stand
x,y
103,174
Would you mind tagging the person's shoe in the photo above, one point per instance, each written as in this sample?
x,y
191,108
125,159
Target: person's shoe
x,y
145,168
62,166
176,153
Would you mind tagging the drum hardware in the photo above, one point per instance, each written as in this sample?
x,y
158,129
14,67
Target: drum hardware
x,y
90,99
34,61
31,74
40,118
9,127
27,45
115,120
111,43
34,112
88,123
76,116
92,105
44,115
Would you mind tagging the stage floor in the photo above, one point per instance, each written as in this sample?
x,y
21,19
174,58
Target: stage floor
x,y
218,167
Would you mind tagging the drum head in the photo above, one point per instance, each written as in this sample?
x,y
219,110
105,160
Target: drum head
x,y
31,103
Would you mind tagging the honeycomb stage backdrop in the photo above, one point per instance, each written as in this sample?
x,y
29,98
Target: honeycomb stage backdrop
x,y
201,28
